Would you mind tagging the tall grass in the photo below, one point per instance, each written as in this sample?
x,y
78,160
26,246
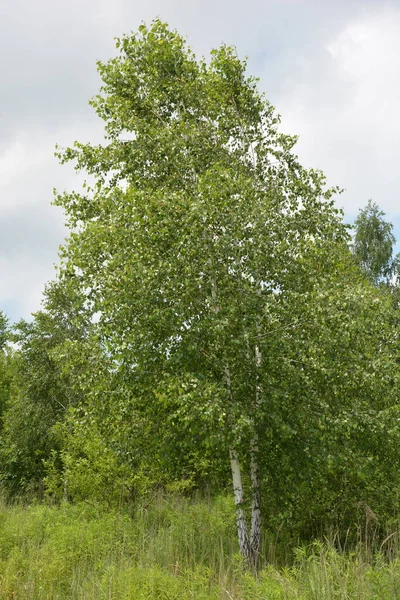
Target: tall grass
x,y
174,548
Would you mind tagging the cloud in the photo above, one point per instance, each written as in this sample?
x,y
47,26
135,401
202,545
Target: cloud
x,y
329,67
31,230
22,286
343,101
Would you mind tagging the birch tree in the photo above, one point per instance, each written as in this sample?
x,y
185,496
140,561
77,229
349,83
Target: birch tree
x,y
374,244
200,232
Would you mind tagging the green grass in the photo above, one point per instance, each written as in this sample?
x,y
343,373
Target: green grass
x,y
174,549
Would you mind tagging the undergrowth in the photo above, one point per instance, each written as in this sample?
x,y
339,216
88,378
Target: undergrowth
x,y
173,549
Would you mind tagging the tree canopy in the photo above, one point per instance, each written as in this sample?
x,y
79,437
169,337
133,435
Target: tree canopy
x,y
219,269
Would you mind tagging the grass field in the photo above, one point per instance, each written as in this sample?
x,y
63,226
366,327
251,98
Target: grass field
x,y
173,549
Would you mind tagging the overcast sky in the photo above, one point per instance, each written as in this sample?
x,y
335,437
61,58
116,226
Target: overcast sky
x,y
331,69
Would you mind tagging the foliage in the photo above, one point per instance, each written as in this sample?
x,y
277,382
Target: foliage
x,y
373,245
183,262
203,243
332,430
5,363
42,393
4,330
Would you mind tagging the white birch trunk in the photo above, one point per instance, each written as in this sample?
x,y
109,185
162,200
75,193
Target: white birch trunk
x,y
238,492
255,535
241,522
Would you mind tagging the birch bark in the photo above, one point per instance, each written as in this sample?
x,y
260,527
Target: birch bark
x,y
241,521
238,490
255,535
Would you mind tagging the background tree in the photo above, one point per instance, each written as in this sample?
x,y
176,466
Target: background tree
x,y
374,243
4,330
6,365
42,394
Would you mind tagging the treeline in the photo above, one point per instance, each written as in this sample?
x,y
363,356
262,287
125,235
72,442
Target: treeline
x,y
213,322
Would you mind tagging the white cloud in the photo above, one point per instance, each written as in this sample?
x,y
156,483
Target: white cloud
x,y
331,68
31,230
344,102
21,155
21,286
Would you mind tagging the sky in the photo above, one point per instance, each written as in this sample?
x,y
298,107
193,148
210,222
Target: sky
x,y
331,69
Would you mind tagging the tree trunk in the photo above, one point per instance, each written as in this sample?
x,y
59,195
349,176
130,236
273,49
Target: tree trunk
x,y
238,492
245,546
241,522
255,535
